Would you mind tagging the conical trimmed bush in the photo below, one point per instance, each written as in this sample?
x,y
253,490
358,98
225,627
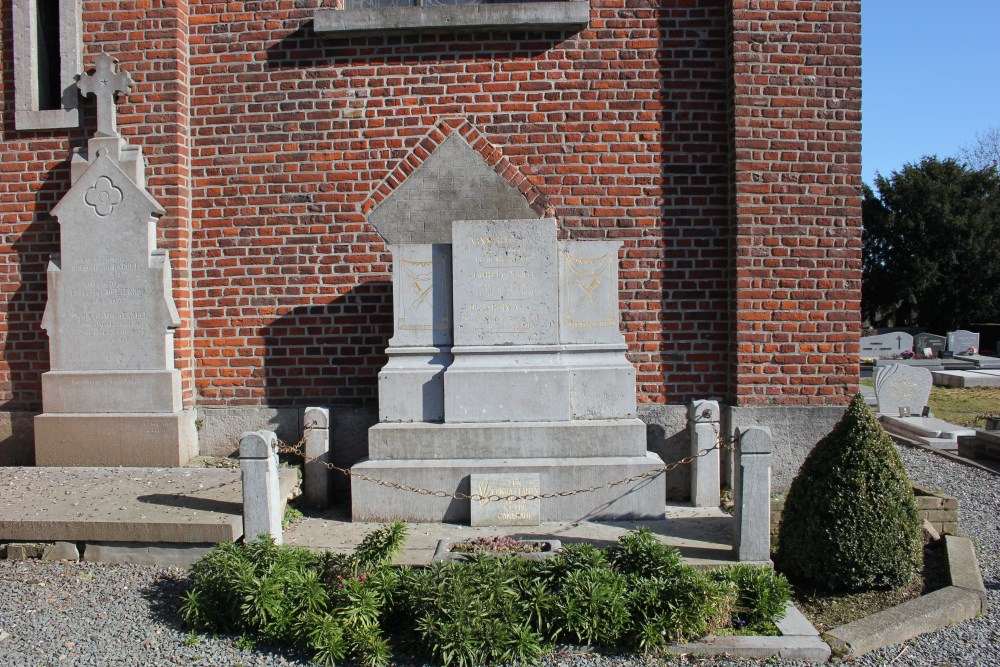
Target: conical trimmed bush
x,y
850,520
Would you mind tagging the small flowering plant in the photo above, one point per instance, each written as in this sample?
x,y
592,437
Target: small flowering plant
x,y
498,544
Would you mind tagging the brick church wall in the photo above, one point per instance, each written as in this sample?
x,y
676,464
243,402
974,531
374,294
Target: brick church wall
x,y
718,139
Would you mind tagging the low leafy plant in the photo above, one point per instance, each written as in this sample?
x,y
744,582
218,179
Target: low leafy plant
x,y
761,596
637,593
288,595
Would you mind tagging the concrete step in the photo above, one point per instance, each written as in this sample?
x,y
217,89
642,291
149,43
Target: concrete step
x,y
125,505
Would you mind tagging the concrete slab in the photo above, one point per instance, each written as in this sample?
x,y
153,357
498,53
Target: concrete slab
x,y
810,649
966,379
702,534
147,505
925,427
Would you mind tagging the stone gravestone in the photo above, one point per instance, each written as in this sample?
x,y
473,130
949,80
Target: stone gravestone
x,y
112,396
886,345
961,341
901,386
535,383
923,341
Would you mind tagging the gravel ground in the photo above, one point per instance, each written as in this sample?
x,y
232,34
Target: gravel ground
x,y
105,615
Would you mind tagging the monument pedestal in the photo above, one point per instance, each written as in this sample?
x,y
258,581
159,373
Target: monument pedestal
x,y
641,500
534,388
411,384
135,440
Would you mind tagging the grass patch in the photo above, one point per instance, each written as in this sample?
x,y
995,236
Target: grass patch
x,y
964,406
827,611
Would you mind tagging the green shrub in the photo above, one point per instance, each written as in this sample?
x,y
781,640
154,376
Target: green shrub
x,y
482,611
331,604
761,596
473,613
688,605
850,520
640,553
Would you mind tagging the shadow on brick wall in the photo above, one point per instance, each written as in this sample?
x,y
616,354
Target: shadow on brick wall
x,y
329,354
304,48
24,343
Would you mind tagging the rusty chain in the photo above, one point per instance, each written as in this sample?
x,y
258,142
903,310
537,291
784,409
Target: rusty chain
x,y
298,449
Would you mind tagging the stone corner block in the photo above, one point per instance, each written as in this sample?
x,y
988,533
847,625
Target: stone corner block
x,y
61,551
316,417
754,439
258,444
702,411
963,567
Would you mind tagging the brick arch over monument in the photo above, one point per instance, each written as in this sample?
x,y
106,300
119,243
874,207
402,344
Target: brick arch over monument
x,y
453,173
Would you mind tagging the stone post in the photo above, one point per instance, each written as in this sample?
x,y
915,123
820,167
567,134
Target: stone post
x,y
703,425
316,478
261,492
752,494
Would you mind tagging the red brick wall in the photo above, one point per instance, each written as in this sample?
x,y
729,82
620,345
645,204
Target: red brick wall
x,y
277,137
35,170
796,109
619,127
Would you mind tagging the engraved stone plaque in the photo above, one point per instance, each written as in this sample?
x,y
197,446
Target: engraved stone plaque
x,y
588,292
109,304
902,386
961,341
505,284
924,341
885,345
501,512
421,275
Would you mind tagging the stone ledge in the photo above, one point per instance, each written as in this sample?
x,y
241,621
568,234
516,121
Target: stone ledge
x,y
963,600
559,15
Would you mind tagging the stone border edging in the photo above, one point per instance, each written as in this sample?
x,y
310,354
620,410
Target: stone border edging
x,y
799,640
963,600
955,458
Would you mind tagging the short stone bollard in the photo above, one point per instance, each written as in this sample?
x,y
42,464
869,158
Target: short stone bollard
x,y
261,491
316,477
752,494
703,426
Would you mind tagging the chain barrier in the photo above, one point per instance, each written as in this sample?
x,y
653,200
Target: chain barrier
x,y
298,449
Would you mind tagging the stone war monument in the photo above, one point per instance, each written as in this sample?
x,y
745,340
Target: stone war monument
x,y
112,396
507,359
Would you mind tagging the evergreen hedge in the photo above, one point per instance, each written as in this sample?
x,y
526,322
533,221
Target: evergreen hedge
x,y
850,519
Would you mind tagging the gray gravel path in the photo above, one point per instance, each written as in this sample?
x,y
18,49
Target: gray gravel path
x,y
109,615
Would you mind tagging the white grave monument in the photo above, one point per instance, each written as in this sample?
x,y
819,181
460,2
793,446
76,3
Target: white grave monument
x,y
112,396
516,367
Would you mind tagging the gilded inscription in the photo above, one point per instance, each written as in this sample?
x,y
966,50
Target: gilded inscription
x,y
593,299
417,305
507,500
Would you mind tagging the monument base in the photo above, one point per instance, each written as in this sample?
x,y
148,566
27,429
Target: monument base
x,y
640,500
96,392
569,439
411,384
131,439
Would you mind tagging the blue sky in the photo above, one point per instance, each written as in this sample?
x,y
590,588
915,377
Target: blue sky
x,y
930,78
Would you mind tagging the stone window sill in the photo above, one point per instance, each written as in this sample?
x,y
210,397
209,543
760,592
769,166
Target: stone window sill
x,y
558,15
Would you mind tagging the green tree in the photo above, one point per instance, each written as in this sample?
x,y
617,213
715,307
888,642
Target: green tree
x,y
931,248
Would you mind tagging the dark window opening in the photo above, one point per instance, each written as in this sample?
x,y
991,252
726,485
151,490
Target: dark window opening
x,y
49,63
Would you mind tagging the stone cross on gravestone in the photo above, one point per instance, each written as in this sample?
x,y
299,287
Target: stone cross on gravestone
x,y
104,83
